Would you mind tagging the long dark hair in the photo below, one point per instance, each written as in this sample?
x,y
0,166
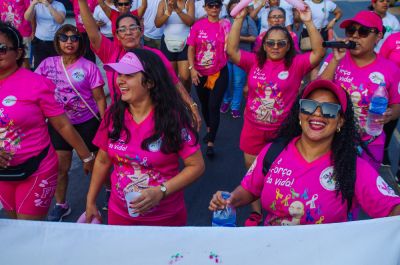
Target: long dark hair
x,y
344,148
290,54
16,39
172,116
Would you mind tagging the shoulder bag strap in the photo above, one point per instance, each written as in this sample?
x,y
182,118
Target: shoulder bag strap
x,y
77,92
273,152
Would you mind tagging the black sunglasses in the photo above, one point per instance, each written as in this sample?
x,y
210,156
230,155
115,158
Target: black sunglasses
x,y
64,38
363,31
124,4
4,48
279,43
216,6
328,110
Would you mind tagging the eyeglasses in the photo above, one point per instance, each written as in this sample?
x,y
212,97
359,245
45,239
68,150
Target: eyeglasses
x,y
124,4
4,49
72,38
215,6
363,31
276,17
328,110
279,43
131,28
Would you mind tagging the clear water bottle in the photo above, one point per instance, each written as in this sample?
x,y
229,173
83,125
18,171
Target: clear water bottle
x,y
377,107
226,216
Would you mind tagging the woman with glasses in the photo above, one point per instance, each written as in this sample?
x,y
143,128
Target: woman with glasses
x,y
129,35
360,71
143,136
28,162
315,175
274,77
207,64
176,17
79,89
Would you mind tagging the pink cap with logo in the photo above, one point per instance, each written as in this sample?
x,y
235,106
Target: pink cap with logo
x,y
129,64
365,18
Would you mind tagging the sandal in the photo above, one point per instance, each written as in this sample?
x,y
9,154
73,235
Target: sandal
x,y
254,219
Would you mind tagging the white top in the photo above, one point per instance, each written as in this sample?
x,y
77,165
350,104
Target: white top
x,y
174,26
150,29
46,26
264,19
289,11
99,15
391,25
318,14
199,11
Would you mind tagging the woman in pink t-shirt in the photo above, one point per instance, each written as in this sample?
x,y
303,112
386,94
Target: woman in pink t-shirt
x,y
143,136
207,64
316,176
82,96
274,78
360,71
28,162
129,35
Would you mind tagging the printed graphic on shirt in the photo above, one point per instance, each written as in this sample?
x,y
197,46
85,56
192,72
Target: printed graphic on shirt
x,y
376,77
9,101
47,188
384,188
11,16
78,75
326,179
207,53
296,210
10,135
155,146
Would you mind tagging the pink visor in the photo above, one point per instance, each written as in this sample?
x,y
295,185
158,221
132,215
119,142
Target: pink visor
x,y
129,64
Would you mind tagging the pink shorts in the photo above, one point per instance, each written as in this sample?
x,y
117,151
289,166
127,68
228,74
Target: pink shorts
x,y
33,195
252,139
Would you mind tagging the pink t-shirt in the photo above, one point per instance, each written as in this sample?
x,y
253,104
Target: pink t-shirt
x,y
13,13
361,82
137,169
78,19
295,191
84,75
257,44
272,89
111,53
27,99
391,48
209,40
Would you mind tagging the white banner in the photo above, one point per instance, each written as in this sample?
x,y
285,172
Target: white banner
x,y
375,242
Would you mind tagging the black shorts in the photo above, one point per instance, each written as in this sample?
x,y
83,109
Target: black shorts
x,y
87,130
173,56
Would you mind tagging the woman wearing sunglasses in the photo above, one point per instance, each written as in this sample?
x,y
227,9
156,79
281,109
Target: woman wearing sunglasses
x,y
143,136
274,77
360,71
79,89
28,162
316,177
129,35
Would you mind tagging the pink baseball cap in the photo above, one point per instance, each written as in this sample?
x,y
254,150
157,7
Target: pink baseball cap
x,y
366,18
329,85
129,64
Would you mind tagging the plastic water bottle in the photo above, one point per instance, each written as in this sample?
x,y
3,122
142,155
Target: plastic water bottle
x,y
377,107
226,216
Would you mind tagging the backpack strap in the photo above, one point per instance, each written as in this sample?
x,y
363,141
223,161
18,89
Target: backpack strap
x,y
273,152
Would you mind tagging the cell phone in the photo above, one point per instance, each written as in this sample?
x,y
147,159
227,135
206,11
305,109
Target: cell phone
x,y
339,44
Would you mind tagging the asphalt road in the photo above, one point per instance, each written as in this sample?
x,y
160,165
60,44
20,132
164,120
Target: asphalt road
x,y
224,172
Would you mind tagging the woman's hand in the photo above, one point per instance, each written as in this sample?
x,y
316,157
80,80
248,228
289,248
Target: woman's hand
x,y
171,4
331,24
386,117
305,15
92,212
217,202
5,158
149,198
242,14
195,76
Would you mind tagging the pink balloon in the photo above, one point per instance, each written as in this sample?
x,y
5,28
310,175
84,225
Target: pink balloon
x,y
239,7
299,4
82,219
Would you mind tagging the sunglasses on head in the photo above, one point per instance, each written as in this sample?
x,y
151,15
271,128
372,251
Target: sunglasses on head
x,y
363,31
124,4
64,38
279,43
328,110
4,48
215,6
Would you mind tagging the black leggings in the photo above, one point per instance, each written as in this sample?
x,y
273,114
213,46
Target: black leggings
x,y
211,101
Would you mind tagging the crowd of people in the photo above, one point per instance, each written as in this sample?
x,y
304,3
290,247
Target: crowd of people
x,y
304,138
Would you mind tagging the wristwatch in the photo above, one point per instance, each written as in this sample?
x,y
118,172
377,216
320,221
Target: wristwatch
x,y
190,67
163,189
89,158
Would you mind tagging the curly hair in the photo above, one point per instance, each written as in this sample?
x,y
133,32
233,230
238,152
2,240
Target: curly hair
x,y
290,54
171,114
13,35
344,148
